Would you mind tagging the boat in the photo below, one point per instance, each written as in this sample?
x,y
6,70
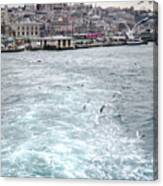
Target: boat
x,y
13,49
88,45
112,44
136,42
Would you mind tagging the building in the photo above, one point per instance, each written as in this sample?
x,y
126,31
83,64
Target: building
x,y
27,29
58,42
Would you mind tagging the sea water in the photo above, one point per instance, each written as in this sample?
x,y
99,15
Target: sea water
x,y
84,113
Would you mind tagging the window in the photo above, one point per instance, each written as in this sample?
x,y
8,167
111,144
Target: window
x,y
64,43
59,43
69,42
23,33
36,33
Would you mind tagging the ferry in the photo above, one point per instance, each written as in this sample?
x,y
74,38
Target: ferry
x,y
13,49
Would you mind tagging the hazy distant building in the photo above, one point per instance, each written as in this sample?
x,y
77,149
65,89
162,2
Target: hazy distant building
x,y
34,20
27,29
50,7
5,26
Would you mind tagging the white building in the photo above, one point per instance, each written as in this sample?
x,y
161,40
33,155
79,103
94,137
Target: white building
x,y
27,29
58,42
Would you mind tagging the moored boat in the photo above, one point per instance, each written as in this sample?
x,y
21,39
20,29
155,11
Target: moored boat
x,y
136,42
15,49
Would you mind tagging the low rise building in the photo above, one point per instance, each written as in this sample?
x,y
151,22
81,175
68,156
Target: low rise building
x,y
58,42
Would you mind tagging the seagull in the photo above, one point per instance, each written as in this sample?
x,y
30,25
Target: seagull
x,y
102,108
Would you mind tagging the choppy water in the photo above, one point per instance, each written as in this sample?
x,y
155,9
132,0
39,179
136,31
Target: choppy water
x,y
51,120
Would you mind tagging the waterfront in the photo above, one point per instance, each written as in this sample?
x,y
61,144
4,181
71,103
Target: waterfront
x,y
51,120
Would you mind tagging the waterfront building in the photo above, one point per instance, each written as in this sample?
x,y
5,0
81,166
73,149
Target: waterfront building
x,y
58,42
54,42
28,29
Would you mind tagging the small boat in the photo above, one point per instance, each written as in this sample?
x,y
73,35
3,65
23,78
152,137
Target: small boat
x,y
88,45
78,46
136,42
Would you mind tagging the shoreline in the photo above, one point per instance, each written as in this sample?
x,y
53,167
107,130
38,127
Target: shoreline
x,y
76,48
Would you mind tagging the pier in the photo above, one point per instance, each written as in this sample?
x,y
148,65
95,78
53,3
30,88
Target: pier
x,y
52,43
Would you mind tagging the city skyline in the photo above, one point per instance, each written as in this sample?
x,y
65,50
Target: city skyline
x,y
138,5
